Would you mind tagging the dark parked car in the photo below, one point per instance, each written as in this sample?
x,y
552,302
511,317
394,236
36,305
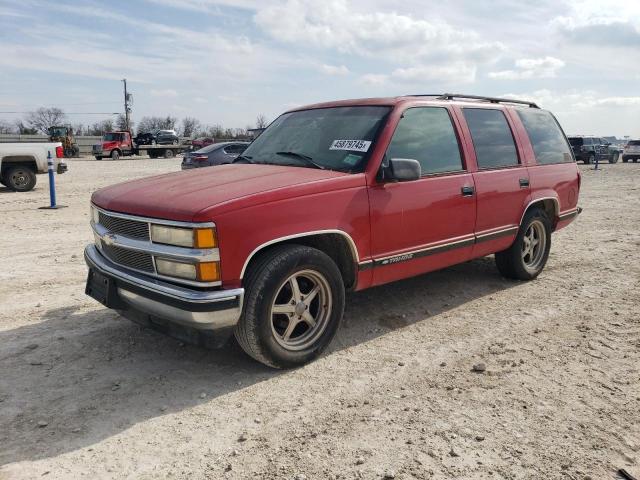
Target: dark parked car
x,y
144,139
166,137
216,154
589,149
201,142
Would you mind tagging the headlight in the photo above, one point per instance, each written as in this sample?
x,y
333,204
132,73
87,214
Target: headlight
x,y
170,268
184,237
95,214
202,272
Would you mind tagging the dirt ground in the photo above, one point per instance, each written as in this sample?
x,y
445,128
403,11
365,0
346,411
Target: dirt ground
x,y
87,394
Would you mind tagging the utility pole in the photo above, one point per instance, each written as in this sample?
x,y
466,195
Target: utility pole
x,y
127,109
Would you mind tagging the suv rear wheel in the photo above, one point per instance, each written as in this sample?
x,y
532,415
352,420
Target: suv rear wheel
x,y
292,308
19,178
590,159
614,157
528,255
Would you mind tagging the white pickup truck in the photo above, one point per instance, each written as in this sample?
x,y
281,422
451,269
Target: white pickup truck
x,y
20,162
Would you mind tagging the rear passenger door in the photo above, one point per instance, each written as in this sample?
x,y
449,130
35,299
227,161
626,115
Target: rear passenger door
x,y
424,224
501,181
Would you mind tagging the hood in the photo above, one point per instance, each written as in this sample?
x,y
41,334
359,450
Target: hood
x,y
181,195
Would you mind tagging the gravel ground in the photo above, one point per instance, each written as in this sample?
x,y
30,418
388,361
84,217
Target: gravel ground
x,y
86,393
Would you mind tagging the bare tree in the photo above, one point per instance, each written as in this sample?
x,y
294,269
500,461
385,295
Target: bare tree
x,y
24,130
43,118
6,127
121,123
149,124
100,128
190,126
261,121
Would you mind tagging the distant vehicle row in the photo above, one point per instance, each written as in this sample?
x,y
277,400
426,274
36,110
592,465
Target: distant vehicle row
x,y
589,149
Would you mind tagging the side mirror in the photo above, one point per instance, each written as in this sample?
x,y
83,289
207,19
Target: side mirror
x,y
401,170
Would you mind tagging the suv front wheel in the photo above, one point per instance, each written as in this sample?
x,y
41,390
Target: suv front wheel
x,y
528,254
293,306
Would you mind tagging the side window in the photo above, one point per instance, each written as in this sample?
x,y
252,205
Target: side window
x,y
492,138
426,134
588,142
235,149
549,144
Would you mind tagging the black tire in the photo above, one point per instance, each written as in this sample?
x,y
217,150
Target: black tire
x,y
176,142
19,178
267,279
511,262
614,157
635,160
624,159
168,153
115,154
98,157
590,159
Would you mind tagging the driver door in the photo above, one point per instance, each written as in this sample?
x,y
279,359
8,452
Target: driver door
x,y
425,224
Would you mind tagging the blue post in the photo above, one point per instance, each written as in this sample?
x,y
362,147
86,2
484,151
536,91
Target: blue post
x,y
52,186
52,181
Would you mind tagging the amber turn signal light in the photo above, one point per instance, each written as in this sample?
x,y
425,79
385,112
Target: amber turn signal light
x,y
205,238
208,271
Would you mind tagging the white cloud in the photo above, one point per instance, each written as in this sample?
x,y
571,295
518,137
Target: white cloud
x,y
373,79
338,25
166,93
333,69
546,67
459,72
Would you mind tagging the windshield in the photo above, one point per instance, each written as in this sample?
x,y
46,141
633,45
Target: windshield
x,y
337,138
111,137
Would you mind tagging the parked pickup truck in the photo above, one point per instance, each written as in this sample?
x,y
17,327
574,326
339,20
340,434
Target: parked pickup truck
x,y
332,197
118,144
21,162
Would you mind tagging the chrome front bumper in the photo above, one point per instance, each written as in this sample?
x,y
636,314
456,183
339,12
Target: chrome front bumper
x,y
153,302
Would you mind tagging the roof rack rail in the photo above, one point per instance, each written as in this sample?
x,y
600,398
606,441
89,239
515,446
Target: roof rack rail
x,y
452,96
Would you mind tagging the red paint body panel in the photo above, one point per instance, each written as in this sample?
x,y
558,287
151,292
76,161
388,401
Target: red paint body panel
x,y
255,205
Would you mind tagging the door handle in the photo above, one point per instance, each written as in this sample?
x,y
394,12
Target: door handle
x,y
524,182
467,191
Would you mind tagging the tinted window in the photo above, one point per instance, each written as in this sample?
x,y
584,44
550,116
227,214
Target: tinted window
x,y
546,137
587,141
235,148
209,148
492,138
427,135
575,141
337,138
634,142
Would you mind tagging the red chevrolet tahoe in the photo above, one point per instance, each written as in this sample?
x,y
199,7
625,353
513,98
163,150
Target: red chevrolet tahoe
x,y
332,197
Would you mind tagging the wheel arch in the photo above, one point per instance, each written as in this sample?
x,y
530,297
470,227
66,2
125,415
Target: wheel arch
x,y
549,204
337,244
13,160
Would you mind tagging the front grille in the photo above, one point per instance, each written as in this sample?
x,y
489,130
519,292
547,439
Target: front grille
x,y
126,227
129,258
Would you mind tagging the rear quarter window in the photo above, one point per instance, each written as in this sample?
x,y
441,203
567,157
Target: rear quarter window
x,y
547,139
492,138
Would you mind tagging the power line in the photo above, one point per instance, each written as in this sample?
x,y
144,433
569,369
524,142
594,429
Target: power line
x,y
73,113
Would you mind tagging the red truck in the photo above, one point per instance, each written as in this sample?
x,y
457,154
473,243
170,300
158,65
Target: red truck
x,y
121,144
332,197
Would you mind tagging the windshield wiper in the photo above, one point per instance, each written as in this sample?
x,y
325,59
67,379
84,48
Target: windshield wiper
x,y
306,158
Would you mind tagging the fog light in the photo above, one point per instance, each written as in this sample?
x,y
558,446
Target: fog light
x,y
169,268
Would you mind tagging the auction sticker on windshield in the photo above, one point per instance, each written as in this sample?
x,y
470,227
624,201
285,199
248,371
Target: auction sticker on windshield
x,y
353,145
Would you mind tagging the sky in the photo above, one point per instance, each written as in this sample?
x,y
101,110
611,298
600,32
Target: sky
x,y
226,61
